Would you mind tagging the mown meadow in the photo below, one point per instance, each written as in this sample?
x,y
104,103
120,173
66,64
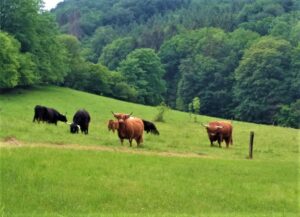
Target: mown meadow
x,y
44,173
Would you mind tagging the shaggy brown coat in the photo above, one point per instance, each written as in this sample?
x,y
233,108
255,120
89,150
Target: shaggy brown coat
x,y
128,128
219,131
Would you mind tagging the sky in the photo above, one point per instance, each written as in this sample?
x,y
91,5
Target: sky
x,y
49,4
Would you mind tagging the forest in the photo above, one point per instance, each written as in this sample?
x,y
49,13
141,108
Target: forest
x,y
240,59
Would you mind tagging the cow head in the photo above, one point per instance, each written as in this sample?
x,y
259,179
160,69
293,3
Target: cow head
x,y
74,128
212,129
121,116
62,118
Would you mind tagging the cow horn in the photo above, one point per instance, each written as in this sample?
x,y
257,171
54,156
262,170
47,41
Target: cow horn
x,y
68,123
130,114
204,125
78,127
219,127
112,112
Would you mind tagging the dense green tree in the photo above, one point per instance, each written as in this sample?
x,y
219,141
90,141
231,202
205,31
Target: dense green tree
x,y
116,85
280,29
121,90
201,63
116,51
50,54
262,80
286,27
37,32
102,37
20,18
289,115
74,61
202,77
171,54
295,71
27,70
16,68
241,39
295,33
97,80
9,63
143,70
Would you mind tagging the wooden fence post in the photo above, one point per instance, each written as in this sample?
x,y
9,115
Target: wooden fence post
x,y
251,145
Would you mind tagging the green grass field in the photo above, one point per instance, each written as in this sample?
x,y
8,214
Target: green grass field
x,y
46,171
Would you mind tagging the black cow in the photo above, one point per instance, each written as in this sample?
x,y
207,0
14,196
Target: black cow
x,y
39,113
49,115
150,127
81,121
52,116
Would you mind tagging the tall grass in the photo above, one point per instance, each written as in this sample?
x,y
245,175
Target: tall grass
x,y
37,181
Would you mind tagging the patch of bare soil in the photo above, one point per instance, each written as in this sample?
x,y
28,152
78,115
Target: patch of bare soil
x,y
11,142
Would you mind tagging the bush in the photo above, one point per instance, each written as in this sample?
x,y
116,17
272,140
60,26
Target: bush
x,y
162,109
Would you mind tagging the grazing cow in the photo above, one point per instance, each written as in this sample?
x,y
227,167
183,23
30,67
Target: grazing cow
x,y
81,122
49,115
150,127
219,131
129,128
52,116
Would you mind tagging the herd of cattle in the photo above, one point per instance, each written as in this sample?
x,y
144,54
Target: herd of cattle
x,y
127,126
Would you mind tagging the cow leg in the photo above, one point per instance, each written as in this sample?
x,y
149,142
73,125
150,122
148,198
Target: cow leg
x,y
227,140
121,140
211,143
130,142
139,140
219,141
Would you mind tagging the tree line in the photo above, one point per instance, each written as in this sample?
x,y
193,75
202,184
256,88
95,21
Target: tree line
x,y
240,59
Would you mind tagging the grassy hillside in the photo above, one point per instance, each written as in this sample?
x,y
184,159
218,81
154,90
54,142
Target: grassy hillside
x,y
178,134
68,181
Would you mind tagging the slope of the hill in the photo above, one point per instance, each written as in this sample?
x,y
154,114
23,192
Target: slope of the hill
x,y
179,132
